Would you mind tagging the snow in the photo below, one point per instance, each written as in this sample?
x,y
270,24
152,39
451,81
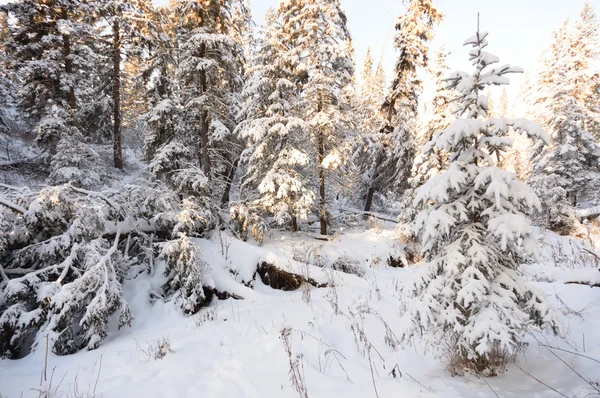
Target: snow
x,y
233,348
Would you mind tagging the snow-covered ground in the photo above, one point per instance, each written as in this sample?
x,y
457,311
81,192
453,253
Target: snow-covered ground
x,y
342,338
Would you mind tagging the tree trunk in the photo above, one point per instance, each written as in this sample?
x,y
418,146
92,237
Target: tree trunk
x,y
390,114
294,223
369,200
228,182
71,101
371,191
204,124
204,143
117,144
322,212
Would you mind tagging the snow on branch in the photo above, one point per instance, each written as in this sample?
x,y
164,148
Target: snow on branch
x,y
12,206
589,212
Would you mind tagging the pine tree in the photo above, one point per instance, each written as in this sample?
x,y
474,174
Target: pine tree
x,y
277,180
127,19
371,96
438,116
321,74
51,54
563,173
414,30
549,75
570,167
370,118
586,50
163,96
201,95
475,234
7,89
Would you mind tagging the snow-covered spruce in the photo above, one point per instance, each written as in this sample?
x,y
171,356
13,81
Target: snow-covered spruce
x,y
65,252
388,152
567,173
371,143
475,234
316,116
48,60
437,116
195,96
322,76
277,180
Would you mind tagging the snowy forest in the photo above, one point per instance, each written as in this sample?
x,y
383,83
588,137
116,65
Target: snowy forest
x,y
193,203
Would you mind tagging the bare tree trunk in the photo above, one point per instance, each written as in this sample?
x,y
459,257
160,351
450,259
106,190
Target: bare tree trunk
x,y
68,65
371,190
228,182
204,124
294,223
117,139
204,142
390,114
369,200
322,210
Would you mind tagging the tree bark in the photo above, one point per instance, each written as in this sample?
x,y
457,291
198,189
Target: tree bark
x,y
369,200
294,223
117,140
71,101
322,219
371,191
204,124
228,182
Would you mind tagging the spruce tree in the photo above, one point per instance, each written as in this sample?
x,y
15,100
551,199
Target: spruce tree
x,y
370,118
564,172
194,116
51,54
475,234
277,180
127,20
414,31
438,116
320,48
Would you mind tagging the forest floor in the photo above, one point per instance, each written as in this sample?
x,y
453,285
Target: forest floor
x,y
334,341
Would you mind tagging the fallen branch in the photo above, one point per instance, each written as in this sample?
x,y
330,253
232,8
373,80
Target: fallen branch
x,y
97,195
371,214
280,279
590,284
68,262
589,212
13,188
591,252
12,206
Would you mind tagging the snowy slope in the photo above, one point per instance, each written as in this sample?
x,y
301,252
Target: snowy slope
x,y
234,348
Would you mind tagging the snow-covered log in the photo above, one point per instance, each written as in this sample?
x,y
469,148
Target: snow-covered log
x,y
278,278
589,212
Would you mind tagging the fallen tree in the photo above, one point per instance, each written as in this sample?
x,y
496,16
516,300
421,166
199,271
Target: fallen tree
x,y
589,212
65,252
